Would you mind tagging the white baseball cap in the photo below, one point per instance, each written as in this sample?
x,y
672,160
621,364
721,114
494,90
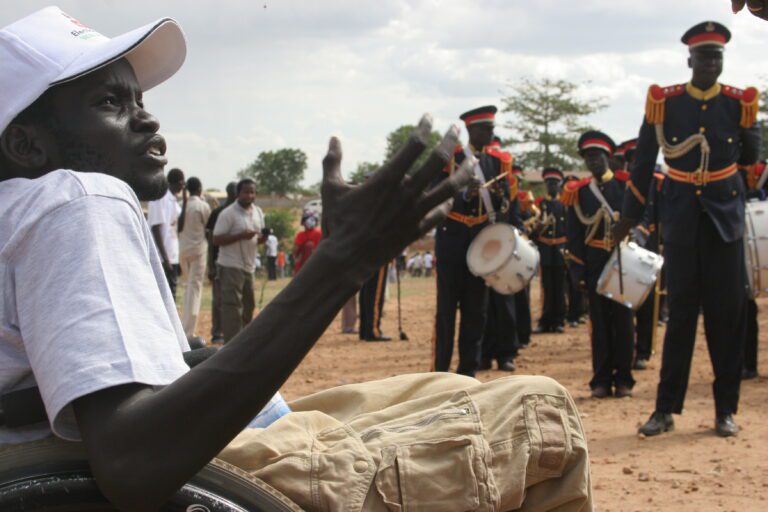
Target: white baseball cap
x,y
50,47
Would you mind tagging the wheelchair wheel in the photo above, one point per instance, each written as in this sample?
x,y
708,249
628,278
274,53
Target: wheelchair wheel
x,y
53,475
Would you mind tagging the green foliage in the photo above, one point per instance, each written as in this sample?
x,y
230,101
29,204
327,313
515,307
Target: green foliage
x,y
548,119
762,121
282,223
363,168
278,172
397,139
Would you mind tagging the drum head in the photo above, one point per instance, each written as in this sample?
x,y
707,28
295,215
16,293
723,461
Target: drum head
x,y
491,249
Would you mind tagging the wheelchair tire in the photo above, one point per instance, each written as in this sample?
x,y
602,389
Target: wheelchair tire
x,y
54,475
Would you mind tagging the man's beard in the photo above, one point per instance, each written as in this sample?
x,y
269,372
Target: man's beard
x,y
77,155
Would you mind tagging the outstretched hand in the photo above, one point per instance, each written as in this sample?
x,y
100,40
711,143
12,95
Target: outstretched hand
x,y
758,8
369,224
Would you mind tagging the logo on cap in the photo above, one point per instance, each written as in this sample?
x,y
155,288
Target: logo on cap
x,y
710,27
85,32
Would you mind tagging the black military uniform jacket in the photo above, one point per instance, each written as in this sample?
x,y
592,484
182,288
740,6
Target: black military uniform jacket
x,y
587,259
552,239
649,222
725,115
465,219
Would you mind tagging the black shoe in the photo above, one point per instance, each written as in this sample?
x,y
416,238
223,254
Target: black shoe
x,y
725,426
485,364
507,366
540,330
525,344
559,329
379,338
622,392
601,392
640,364
748,374
658,423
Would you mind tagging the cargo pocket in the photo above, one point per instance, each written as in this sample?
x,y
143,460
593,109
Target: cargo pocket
x,y
434,476
546,422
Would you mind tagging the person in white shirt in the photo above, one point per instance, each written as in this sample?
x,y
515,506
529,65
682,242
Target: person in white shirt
x,y
163,216
271,245
77,152
238,233
428,260
193,249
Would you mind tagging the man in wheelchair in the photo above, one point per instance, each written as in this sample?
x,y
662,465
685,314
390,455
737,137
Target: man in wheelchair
x,y
88,318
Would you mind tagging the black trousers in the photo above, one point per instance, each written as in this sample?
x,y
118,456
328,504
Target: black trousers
x,y
612,342
173,278
644,328
750,347
523,315
457,287
707,276
272,268
575,300
553,289
500,335
371,302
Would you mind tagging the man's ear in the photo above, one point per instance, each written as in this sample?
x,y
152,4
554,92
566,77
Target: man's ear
x,y
26,147
689,62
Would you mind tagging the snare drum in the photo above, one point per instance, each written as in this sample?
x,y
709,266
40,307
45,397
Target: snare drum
x,y
756,247
503,258
640,268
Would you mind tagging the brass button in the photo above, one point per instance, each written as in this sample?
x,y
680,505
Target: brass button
x,y
733,192
702,129
703,107
730,140
360,466
674,139
698,192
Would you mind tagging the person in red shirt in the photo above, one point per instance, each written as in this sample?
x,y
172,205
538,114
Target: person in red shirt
x,y
306,241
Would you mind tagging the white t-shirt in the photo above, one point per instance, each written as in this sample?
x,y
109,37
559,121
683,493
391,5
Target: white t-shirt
x,y
232,220
428,260
165,213
271,244
85,304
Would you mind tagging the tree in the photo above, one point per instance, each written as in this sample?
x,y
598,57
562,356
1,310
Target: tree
x,y
281,221
762,121
363,168
277,172
548,119
397,139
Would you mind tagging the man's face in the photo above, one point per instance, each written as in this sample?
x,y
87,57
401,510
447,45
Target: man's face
x,y
706,63
176,187
480,134
100,125
247,195
553,187
596,161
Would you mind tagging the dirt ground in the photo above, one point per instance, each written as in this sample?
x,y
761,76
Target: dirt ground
x,y
687,470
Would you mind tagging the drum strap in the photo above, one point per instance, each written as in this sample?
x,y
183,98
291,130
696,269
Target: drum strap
x,y
485,194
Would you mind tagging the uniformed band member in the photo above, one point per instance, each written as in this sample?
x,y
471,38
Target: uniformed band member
x,y
576,296
371,302
456,285
590,245
704,129
551,241
528,213
500,334
646,236
752,176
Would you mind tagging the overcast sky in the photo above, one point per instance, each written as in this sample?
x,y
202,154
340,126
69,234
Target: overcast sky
x,y
261,75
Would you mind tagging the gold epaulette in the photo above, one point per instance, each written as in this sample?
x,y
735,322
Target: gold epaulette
x,y
656,100
570,194
749,99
